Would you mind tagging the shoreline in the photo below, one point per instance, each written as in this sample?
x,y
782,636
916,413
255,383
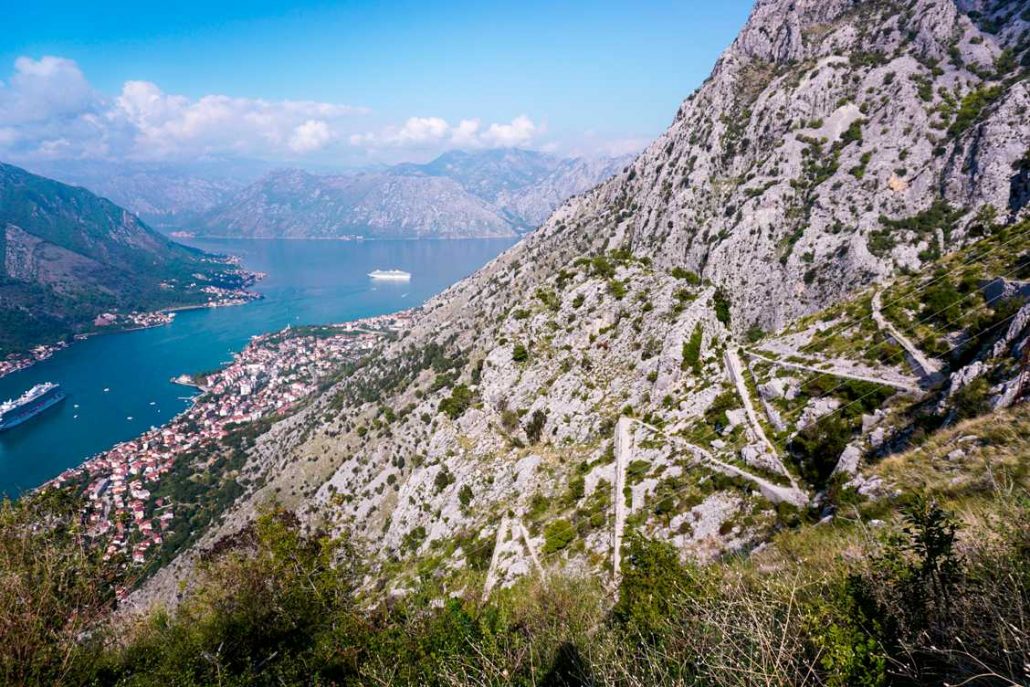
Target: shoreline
x,y
121,517
27,359
381,324
18,361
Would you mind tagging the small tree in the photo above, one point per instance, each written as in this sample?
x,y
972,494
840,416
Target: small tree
x,y
721,302
457,403
535,427
654,584
557,535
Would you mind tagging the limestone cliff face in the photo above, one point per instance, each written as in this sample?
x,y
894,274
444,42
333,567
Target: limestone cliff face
x,y
834,143
820,119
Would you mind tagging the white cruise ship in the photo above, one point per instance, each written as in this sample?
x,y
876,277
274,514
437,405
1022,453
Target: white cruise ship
x,y
390,275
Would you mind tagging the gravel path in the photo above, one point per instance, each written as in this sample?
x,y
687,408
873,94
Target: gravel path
x,y
925,365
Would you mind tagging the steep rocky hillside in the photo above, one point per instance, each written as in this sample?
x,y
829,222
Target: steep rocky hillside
x,y
69,255
482,194
810,269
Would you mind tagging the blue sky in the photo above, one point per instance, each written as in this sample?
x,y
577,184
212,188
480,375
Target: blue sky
x,y
569,76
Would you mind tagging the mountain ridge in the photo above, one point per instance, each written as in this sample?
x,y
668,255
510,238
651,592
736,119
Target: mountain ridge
x,y
69,255
495,193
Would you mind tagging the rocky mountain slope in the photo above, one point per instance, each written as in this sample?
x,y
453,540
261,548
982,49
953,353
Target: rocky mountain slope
x,y
612,372
69,255
482,194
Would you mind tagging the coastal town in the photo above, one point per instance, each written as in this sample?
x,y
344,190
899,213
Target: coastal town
x,y
109,322
130,321
20,361
271,376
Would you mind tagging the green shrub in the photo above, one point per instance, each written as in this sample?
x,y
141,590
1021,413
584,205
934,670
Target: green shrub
x,y
853,134
692,351
688,276
819,445
557,535
653,587
880,242
601,267
715,414
457,403
414,538
972,106
943,302
577,488
443,479
636,471
972,400
548,298
53,591
520,353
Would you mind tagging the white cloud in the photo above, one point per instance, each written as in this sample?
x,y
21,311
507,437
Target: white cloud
x,y
310,136
465,133
49,110
44,89
519,132
421,132
169,124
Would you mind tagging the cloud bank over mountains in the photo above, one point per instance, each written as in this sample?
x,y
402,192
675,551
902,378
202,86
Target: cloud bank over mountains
x,y
49,110
468,133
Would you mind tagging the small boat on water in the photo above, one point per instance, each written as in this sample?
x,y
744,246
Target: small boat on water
x,y
390,275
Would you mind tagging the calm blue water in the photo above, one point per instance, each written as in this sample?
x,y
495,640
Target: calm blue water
x,y
308,282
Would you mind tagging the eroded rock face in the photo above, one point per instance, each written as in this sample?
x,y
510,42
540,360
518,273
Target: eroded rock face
x,y
771,186
821,118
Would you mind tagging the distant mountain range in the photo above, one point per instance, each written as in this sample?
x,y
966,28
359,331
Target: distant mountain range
x,y
67,255
165,196
482,194
459,194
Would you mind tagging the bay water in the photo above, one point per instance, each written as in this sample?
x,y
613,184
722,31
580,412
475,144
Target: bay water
x,y
118,385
